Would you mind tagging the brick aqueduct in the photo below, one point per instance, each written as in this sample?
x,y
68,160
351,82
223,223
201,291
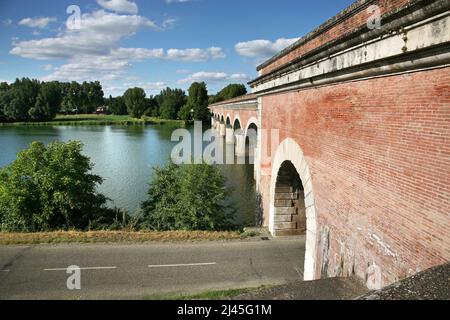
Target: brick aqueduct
x,y
353,141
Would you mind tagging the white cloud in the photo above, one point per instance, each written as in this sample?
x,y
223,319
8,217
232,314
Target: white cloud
x,y
214,77
7,22
169,23
96,46
100,32
94,51
147,86
262,49
119,6
112,66
47,67
195,54
40,23
136,54
239,77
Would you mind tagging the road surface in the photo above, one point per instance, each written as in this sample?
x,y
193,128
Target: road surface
x,y
121,271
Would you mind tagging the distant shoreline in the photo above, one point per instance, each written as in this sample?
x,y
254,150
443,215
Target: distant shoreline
x,y
95,120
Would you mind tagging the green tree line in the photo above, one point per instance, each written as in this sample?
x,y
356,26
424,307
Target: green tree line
x,y
229,92
32,100
173,103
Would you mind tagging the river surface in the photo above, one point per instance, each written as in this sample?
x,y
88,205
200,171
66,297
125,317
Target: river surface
x,y
124,156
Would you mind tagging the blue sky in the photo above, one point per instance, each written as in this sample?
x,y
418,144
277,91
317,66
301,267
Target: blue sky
x,y
151,43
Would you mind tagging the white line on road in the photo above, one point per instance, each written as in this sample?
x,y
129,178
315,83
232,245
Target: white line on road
x,y
183,265
87,268
299,272
4,270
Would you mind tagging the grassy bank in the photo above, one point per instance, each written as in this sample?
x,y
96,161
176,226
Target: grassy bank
x,y
9,238
93,119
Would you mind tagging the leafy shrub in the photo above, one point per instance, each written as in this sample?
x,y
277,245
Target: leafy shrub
x,y
188,197
51,188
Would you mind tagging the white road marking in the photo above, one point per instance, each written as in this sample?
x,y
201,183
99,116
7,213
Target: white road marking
x,y
87,268
4,270
183,265
298,271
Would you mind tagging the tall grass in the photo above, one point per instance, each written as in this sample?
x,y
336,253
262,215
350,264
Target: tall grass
x,y
14,238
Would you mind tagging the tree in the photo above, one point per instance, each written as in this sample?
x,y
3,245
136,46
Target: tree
x,y
15,110
135,102
52,92
4,86
185,113
229,92
117,105
27,99
41,110
152,108
51,188
188,197
170,102
5,100
23,96
93,95
48,102
196,107
72,98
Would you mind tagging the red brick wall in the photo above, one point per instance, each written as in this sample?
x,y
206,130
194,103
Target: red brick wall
x,y
379,155
339,30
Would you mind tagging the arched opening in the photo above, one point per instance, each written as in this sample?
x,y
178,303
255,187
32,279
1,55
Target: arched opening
x,y
222,120
251,137
239,140
228,122
292,201
290,210
237,125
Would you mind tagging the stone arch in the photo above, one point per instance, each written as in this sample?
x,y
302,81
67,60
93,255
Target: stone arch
x,y
290,152
237,121
222,118
251,121
228,121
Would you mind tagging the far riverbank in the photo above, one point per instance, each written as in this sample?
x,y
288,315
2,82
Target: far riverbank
x,y
95,120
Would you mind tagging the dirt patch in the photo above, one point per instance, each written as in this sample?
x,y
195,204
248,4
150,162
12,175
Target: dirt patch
x,y
325,289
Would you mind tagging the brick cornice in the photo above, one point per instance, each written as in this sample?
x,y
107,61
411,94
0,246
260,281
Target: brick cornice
x,y
417,10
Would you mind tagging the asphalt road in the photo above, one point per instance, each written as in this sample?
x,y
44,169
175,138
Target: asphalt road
x,y
135,271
